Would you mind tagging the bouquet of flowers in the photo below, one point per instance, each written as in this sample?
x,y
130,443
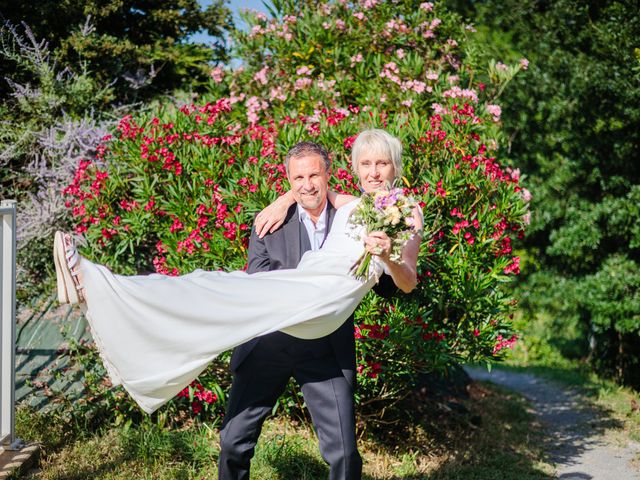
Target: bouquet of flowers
x,y
387,211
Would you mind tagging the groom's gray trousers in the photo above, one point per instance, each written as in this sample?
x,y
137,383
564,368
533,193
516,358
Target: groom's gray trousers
x,y
262,378
325,369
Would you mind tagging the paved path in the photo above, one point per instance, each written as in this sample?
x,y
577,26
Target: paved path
x,y
577,444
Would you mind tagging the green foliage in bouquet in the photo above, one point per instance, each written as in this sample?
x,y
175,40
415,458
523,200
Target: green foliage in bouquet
x,y
178,190
391,212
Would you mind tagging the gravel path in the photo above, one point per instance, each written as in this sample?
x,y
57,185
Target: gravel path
x,y
577,444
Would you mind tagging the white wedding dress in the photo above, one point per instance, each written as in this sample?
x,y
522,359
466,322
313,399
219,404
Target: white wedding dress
x,y
157,333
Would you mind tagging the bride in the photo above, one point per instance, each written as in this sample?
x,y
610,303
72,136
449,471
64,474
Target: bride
x,y
157,333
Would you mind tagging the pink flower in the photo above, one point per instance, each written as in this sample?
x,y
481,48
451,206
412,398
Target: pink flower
x,y
359,15
426,6
277,94
456,213
256,30
302,83
177,225
501,66
259,15
369,4
356,59
439,109
501,343
400,53
457,92
304,70
496,111
524,63
261,76
217,74
514,173
526,195
340,25
407,103
513,267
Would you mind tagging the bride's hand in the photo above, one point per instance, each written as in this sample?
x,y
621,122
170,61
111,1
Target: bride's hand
x,y
273,215
378,244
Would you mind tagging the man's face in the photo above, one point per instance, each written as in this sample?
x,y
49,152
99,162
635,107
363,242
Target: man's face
x,y
309,181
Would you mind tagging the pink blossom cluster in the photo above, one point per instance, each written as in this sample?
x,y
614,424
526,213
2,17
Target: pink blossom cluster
x,y
254,107
369,4
417,86
217,74
390,70
457,92
302,83
358,58
280,30
494,110
504,343
397,26
513,267
261,76
277,93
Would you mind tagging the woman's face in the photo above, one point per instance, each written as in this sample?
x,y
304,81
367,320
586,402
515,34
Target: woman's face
x,y
375,171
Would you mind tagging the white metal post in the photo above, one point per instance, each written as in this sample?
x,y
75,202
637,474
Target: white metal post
x,y
8,440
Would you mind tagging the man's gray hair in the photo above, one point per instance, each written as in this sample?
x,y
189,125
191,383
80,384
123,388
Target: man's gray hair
x,y
377,141
302,149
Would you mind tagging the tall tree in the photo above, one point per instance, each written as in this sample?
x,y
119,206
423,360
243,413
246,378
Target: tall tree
x,y
575,121
138,46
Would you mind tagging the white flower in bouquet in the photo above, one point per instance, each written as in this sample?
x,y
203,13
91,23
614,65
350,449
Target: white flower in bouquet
x,y
390,212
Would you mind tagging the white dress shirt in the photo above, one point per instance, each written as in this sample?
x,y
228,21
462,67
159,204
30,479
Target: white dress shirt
x,y
315,231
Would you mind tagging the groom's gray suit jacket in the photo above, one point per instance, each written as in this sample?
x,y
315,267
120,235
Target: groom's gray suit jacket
x,y
283,249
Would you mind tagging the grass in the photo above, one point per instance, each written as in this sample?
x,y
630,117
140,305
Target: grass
x,y
490,435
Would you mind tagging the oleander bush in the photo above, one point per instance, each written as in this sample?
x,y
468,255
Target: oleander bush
x,y
177,189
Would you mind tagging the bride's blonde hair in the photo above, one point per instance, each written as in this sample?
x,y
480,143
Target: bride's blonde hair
x,y
377,141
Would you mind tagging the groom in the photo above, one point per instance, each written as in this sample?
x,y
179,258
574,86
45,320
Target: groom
x,y
323,367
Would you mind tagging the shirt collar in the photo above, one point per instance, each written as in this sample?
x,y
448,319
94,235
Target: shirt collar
x,y
303,216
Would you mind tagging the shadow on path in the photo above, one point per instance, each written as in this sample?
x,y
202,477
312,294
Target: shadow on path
x,y
575,428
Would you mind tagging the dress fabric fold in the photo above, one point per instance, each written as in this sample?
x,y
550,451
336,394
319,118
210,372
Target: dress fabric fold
x,y
157,333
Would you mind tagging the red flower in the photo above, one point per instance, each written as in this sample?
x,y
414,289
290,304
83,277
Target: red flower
x,y
177,225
